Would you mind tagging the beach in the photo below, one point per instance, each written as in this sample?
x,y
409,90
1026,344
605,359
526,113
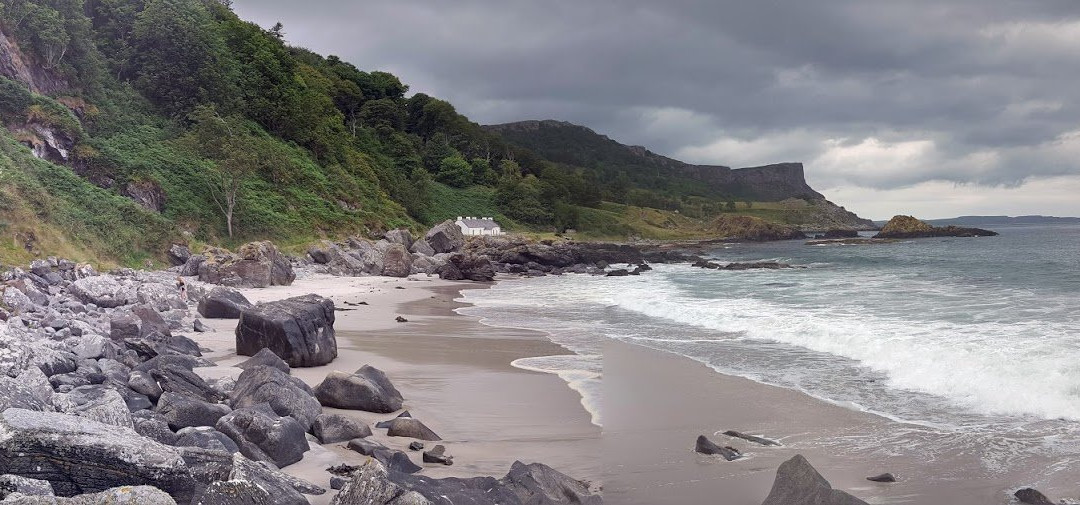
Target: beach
x,y
453,372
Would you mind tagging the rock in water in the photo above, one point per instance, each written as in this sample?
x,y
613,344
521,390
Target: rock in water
x,y
79,455
223,303
467,267
1030,496
909,227
885,477
798,483
368,389
300,330
752,438
262,435
706,446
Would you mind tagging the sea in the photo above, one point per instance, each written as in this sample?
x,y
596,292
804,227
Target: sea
x,y
965,337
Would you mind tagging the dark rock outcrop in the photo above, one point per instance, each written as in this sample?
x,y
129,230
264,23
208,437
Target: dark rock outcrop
x,y
368,389
705,446
1031,496
467,267
79,455
223,303
255,265
300,330
445,237
286,395
262,435
182,411
798,483
904,227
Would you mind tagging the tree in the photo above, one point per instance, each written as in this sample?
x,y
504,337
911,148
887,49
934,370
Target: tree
x,y
749,204
566,217
383,112
483,173
455,171
278,30
729,206
231,155
436,150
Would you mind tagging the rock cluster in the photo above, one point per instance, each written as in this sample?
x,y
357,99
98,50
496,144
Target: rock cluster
x,y
253,265
904,227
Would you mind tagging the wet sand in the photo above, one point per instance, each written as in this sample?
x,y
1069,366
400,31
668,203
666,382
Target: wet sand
x,y
656,404
453,372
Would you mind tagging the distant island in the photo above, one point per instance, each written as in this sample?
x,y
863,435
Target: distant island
x,y
998,221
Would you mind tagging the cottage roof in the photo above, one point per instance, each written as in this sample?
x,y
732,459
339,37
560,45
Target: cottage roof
x,y
485,223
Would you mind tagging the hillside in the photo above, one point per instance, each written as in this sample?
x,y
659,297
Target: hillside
x,y
131,124
663,182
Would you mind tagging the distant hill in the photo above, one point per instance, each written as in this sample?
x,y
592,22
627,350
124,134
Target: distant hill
x,y
1003,220
640,168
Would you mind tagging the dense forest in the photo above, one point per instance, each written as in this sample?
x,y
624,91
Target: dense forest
x,y
173,118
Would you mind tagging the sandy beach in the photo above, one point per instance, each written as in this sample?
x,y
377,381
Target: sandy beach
x,y
454,373
652,420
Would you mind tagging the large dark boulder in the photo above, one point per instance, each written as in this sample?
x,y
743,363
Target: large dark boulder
x,y
1029,496
205,437
178,254
175,379
286,395
368,389
705,446
445,237
79,455
798,483
467,267
223,303
182,411
262,435
331,428
300,330
397,261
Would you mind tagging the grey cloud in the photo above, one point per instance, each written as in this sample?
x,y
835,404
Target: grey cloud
x,y
968,76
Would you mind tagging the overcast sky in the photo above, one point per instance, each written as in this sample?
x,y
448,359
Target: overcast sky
x,y
936,108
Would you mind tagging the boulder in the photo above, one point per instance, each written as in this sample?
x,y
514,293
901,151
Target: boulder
x,y
397,262
885,477
101,290
286,395
331,428
284,487
191,266
438,455
467,267
422,248
184,361
153,426
79,455
300,330
412,428
173,378
445,237
236,492
798,483
262,435
1029,496
534,484
370,485
143,383
205,437
182,411
200,327
95,402
18,394
223,303
255,265
416,446
122,495
178,254
24,486
368,389
265,357
399,236
706,446
162,297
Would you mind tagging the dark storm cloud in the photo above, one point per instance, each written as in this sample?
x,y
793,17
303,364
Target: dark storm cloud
x,y
874,94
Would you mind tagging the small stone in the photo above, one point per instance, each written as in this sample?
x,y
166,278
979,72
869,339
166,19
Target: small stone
x,y
416,446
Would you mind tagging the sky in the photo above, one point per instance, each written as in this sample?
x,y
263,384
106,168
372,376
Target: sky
x,y
935,108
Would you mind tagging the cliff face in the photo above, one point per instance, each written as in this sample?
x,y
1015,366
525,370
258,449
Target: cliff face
x,y
20,67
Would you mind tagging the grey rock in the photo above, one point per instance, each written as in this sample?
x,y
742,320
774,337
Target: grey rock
x,y
191,266
265,357
445,237
162,297
262,435
300,330
286,395
412,428
416,446
184,361
421,247
399,236
397,261
205,437
284,487
798,483
223,303
200,327
182,411
706,446
153,426
331,428
101,290
337,482
438,455
1031,496
365,446
370,485
17,394
368,389
173,378
95,402
80,455
235,492
178,254
25,486
122,495
885,477
752,438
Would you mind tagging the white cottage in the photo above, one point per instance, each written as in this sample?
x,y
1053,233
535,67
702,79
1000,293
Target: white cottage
x,y
478,226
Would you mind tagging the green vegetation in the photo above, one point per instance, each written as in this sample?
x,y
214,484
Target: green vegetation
x,y
225,134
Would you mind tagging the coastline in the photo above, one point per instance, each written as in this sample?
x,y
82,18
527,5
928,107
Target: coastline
x,y
454,372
